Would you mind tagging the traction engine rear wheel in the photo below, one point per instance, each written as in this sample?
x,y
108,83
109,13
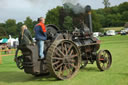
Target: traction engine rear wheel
x,y
63,59
104,60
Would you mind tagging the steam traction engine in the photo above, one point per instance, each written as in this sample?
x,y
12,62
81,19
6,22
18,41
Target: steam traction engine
x,y
65,53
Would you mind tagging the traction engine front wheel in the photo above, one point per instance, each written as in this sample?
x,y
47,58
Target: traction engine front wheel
x,y
104,60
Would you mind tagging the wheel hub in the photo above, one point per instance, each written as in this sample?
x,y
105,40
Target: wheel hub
x,y
103,59
66,59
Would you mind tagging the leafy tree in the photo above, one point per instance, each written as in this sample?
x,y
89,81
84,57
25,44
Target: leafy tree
x,y
110,10
2,24
29,24
123,7
126,25
125,16
11,27
34,23
96,22
106,3
114,10
2,30
113,20
52,17
68,23
19,25
113,16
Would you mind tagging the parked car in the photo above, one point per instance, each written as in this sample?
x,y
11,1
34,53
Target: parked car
x,y
123,32
126,29
111,32
95,34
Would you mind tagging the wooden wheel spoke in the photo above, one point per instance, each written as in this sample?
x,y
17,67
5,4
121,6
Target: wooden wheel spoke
x,y
100,63
73,56
63,71
100,54
56,58
69,69
71,52
60,51
57,54
65,67
58,66
20,64
103,66
60,71
72,61
56,62
73,66
104,52
62,47
108,61
65,47
106,55
70,48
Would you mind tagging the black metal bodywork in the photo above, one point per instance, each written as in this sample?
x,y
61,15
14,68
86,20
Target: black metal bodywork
x,y
30,60
84,40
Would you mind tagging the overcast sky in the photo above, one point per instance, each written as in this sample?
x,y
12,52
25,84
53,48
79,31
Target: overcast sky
x,y
20,9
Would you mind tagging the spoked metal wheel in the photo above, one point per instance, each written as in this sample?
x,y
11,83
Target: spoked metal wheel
x,y
19,59
104,60
63,59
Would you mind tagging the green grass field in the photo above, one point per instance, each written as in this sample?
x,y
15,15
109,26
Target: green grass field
x,y
116,75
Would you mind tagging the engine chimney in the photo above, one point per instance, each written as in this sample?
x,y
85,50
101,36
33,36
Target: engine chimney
x,y
88,10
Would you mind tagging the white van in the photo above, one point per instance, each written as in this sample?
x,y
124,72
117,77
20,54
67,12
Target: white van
x,y
111,32
96,34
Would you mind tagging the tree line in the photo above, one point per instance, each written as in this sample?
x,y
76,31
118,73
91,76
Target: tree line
x,y
10,27
115,16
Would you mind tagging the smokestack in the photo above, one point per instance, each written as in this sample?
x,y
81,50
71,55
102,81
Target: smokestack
x,y
88,10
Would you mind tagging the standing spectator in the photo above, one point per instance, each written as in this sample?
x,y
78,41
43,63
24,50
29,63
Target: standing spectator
x,y
6,49
40,36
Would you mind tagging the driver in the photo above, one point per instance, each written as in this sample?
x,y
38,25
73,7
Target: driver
x,y
40,36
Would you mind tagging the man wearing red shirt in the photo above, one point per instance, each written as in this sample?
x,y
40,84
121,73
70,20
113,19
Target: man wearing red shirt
x,y
40,36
